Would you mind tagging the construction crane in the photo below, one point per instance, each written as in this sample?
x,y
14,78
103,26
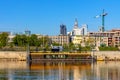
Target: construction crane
x,y
102,29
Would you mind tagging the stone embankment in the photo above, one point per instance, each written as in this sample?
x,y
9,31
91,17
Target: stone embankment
x,y
107,55
13,55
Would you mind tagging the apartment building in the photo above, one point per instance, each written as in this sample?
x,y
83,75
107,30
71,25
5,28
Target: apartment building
x,y
110,38
60,39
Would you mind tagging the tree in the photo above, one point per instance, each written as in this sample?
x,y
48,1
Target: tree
x,y
79,48
108,48
65,47
71,46
3,39
20,40
102,45
46,42
55,44
33,40
90,41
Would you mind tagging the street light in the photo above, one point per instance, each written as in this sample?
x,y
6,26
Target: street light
x,y
43,43
27,32
93,57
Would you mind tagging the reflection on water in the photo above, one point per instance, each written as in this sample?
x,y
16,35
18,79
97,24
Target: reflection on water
x,y
59,71
4,65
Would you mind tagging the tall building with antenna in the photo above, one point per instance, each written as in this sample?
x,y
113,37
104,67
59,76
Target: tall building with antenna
x,y
76,29
79,31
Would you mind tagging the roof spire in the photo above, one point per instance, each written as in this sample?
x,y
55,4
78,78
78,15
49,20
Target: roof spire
x,y
76,23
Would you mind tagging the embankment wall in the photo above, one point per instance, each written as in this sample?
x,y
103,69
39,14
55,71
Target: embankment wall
x,y
13,55
107,55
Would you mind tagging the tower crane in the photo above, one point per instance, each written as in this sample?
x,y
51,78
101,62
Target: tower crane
x,y
102,29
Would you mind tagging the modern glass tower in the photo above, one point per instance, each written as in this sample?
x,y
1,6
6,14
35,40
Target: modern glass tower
x,y
63,29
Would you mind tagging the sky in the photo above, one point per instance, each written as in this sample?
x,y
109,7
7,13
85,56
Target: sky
x,y
45,16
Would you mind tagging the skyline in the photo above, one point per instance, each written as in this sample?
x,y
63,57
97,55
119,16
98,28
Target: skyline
x,y
46,16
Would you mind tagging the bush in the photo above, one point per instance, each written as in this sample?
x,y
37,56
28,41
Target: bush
x,y
109,48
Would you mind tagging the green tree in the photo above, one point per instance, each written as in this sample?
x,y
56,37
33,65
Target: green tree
x,y
103,45
79,48
108,48
47,42
66,47
90,41
3,39
71,46
20,40
44,42
55,44
33,40
39,42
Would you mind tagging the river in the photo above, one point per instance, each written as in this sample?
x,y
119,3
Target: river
x,y
15,70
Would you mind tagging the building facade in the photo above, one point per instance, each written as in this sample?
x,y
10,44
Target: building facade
x,y
110,38
79,31
60,39
63,29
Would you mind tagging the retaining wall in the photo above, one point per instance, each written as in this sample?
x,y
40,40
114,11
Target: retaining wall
x,y
13,55
107,55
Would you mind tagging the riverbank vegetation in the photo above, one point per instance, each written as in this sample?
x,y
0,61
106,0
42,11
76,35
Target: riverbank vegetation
x,y
103,47
43,43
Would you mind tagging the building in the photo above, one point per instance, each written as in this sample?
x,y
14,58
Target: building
x,y
78,34
10,38
5,32
63,29
27,32
79,31
110,38
77,39
60,39
84,29
76,29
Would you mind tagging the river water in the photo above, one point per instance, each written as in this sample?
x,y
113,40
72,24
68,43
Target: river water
x,y
10,70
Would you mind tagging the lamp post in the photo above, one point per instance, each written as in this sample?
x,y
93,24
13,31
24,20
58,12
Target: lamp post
x,y
92,51
43,43
92,55
27,32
